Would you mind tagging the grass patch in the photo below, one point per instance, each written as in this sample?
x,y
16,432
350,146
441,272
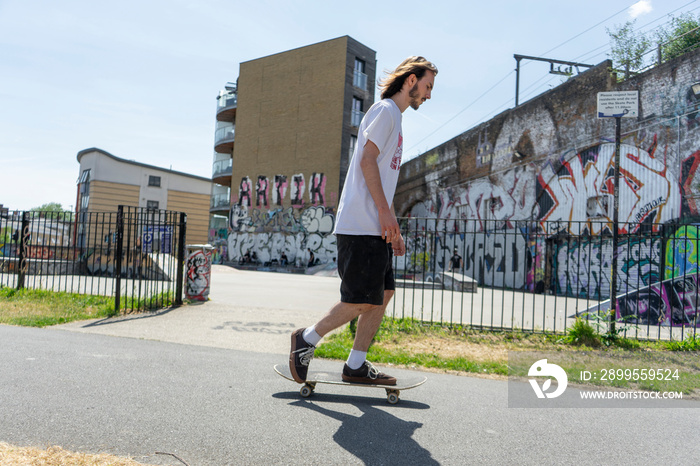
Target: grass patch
x,y
691,343
660,370
414,344
151,303
40,308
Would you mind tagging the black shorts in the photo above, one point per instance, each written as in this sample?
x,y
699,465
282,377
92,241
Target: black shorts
x,y
364,266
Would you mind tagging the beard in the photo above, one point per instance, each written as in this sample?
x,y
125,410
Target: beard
x,y
414,101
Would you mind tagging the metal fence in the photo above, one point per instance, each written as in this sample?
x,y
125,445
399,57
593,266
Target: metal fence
x,y
539,276
134,254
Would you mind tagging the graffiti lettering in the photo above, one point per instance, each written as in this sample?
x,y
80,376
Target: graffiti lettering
x,y
245,191
317,189
297,190
261,188
280,189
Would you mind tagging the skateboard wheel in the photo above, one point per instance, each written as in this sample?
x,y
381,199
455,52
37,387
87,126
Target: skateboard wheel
x,y
392,397
306,391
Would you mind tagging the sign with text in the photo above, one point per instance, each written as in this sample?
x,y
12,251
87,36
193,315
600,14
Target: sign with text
x,y
624,104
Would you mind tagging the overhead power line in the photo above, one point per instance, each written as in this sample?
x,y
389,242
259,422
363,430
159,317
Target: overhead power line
x,y
587,56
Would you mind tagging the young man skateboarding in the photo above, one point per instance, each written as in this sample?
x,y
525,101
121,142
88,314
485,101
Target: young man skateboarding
x,y
366,228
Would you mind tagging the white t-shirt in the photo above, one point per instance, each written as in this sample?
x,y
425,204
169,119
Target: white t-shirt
x,y
357,213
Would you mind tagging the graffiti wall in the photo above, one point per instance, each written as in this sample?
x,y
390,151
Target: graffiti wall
x,y
582,189
583,265
674,302
498,258
550,163
283,232
281,220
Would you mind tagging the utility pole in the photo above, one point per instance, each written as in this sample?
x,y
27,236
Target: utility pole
x,y
618,105
567,72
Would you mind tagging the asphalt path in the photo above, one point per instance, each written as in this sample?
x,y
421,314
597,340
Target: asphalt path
x,y
197,382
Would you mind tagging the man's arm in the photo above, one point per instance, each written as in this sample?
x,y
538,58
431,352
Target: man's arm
x,y
370,170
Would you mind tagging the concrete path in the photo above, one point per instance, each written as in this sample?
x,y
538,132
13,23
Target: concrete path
x,y
248,311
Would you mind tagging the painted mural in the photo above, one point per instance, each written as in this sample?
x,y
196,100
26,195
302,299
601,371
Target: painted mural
x,y
673,302
260,225
198,268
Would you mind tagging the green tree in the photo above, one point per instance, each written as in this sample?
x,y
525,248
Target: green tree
x,y
52,210
631,50
628,48
420,261
681,36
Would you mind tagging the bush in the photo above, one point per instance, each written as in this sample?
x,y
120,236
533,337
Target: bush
x,y
582,334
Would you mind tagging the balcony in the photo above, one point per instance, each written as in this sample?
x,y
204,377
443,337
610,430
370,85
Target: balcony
x,y
221,172
359,80
223,139
226,105
220,203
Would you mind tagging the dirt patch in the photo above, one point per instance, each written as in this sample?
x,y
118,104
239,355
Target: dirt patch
x,y
451,348
12,455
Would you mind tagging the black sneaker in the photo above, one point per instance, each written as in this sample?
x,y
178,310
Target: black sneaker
x,y
368,374
300,356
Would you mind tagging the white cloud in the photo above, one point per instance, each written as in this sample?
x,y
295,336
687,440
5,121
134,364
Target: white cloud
x,y
642,7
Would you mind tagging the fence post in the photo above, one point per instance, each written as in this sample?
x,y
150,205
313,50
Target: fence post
x,y
118,259
180,258
23,263
616,205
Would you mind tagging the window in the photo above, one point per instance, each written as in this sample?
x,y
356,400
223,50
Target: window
x,y
84,189
353,144
154,181
152,205
357,113
85,176
359,78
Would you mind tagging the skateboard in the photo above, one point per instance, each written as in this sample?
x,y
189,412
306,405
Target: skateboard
x,y
335,378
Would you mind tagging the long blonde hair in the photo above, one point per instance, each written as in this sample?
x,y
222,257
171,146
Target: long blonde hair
x,y
393,82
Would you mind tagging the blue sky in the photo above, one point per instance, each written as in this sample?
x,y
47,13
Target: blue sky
x,y
139,78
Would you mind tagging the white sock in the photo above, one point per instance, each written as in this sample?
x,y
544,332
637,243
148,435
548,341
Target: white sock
x,y
356,359
311,336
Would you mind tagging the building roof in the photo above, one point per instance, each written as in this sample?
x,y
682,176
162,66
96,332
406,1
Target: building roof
x,y
310,45
133,162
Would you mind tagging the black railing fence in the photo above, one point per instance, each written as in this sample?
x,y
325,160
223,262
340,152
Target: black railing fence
x,y
539,276
503,275
133,254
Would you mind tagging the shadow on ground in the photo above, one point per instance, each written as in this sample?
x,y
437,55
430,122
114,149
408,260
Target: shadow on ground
x,y
376,436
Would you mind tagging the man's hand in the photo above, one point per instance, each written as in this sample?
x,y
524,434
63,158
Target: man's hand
x,y
389,225
399,246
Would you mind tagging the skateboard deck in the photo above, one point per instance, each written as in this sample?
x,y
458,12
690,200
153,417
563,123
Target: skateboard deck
x,y
335,378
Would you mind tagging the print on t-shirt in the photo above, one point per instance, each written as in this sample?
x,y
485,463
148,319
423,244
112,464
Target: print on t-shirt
x,y
396,160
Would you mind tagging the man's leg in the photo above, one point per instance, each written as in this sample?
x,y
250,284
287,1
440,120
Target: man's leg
x,y
341,314
368,324
357,369
304,341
